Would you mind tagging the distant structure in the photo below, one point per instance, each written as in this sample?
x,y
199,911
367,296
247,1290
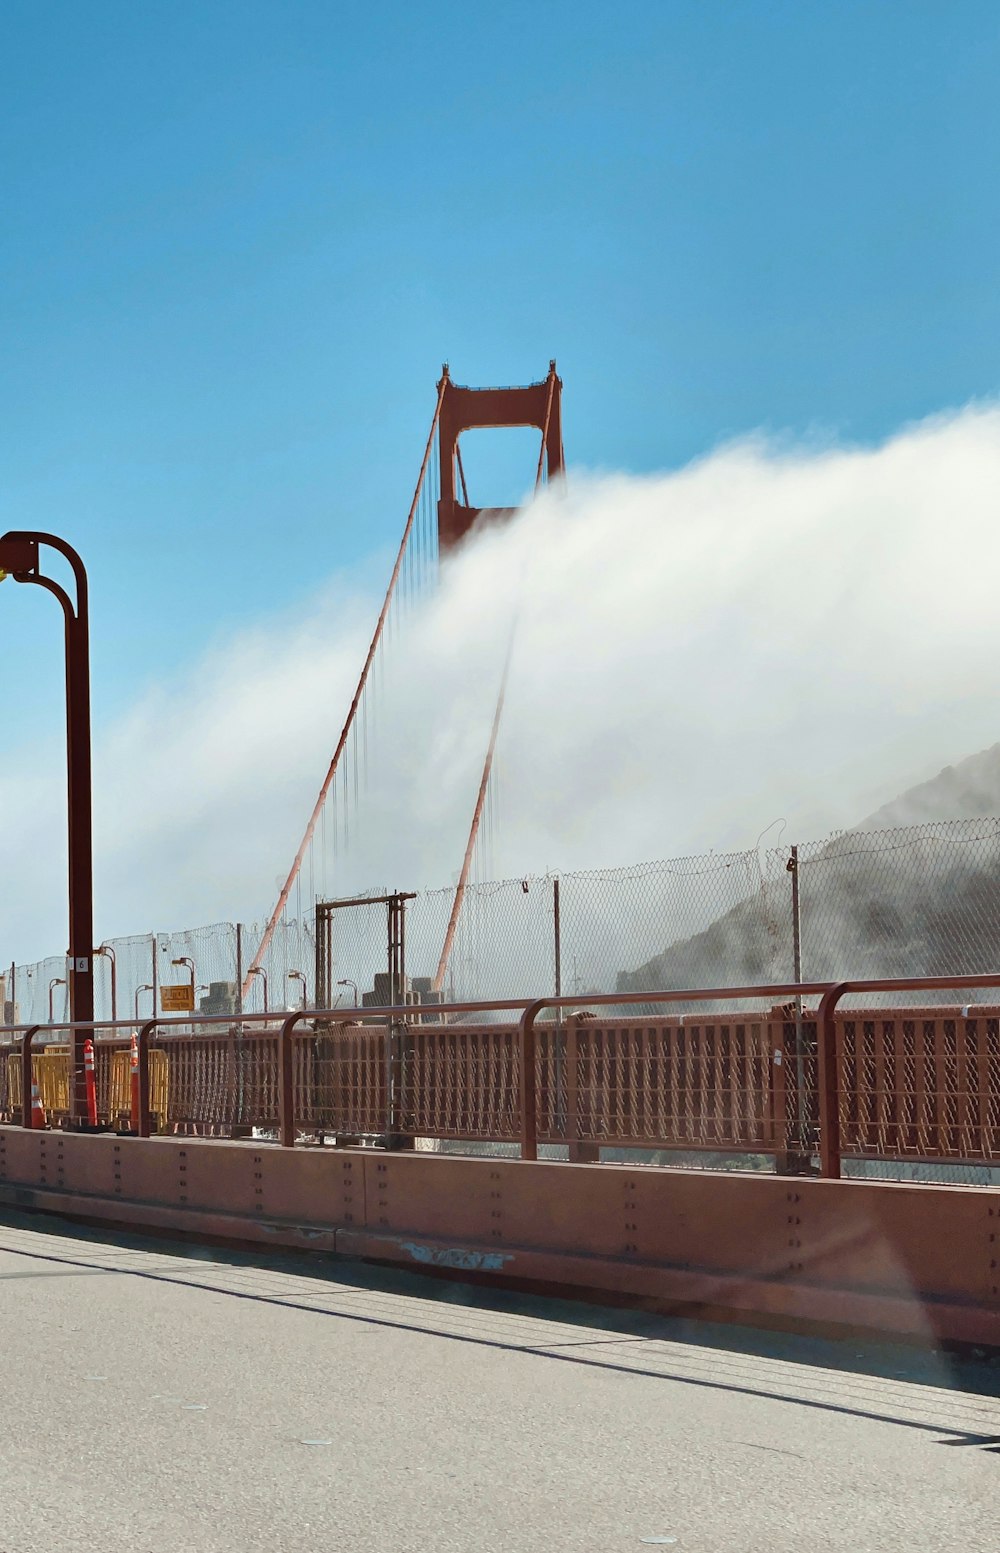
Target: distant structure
x,y
458,409
471,409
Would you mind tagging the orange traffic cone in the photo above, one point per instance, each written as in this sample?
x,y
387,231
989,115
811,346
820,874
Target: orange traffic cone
x,y
38,1117
134,1066
90,1082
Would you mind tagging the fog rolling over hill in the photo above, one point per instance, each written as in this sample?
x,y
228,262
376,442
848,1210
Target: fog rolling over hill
x,y
913,890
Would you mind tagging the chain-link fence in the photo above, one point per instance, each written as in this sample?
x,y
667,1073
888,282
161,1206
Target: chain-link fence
x,y
924,900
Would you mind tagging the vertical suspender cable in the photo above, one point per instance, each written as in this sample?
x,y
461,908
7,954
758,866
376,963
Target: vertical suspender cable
x,y
345,731
463,878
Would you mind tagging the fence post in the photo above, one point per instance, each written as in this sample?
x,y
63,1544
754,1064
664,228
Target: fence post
x,y
829,1081
286,1082
572,1097
803,1148
779,1090
144,1124
239,1050
526,1080
557,930
28,1037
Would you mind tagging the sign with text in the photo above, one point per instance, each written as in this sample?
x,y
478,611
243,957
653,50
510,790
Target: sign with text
x,y
178,999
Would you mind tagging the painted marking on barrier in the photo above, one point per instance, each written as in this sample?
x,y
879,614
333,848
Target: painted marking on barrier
x,y
307,1231
453,1256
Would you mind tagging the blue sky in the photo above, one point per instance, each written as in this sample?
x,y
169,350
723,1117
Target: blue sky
x,y
238,240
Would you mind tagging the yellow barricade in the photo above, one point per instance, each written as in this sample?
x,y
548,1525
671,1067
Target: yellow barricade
x,y
50,1070
120,1104
14,1083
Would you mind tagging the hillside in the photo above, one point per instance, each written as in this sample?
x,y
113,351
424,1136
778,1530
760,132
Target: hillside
x,y
914,889
962,792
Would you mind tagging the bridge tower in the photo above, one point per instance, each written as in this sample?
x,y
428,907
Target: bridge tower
x,y
470,409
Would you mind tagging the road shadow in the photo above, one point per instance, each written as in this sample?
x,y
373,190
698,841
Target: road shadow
x,y
736,1356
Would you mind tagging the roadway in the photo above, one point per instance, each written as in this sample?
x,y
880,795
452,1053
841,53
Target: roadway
x,y
162,1397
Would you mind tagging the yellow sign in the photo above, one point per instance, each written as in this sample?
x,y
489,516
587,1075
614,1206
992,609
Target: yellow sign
x,y
178,999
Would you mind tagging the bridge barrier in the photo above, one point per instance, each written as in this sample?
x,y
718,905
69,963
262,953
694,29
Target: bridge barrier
x,y
902,1260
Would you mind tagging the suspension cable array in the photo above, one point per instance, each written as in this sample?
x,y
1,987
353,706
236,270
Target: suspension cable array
x,y
434,525
417,566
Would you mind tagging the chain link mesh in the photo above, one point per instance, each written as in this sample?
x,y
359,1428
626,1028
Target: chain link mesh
x,y
923,901
916,1089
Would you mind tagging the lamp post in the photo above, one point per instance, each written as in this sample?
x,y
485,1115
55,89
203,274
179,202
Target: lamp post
x,y
107,950
185,959
57,981
20,559
347,982
147,986
258,970
300,976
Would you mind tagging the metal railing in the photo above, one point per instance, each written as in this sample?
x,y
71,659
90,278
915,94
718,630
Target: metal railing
x,y
830,1088
776,1082
394,1017
830,1052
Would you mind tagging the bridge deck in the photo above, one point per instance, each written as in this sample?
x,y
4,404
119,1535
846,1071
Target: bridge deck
x,y
159,1397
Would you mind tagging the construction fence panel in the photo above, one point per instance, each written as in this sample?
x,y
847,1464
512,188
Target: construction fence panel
x,y
288,964
206,955
41,991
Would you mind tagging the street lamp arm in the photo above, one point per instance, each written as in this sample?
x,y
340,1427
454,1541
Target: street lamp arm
x,y
50,587
28,541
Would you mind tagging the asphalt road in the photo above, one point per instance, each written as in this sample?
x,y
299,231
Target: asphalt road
x,y
159,1398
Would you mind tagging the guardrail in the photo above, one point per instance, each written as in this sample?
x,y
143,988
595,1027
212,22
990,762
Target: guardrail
x,y
903,1083
394,1016
830,1052
527,1033
828,1049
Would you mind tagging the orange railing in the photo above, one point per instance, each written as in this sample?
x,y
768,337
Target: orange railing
x,y
788,1081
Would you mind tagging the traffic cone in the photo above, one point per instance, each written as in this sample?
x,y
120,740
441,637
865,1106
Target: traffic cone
x,y
38,1117
135,1084
90,1081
